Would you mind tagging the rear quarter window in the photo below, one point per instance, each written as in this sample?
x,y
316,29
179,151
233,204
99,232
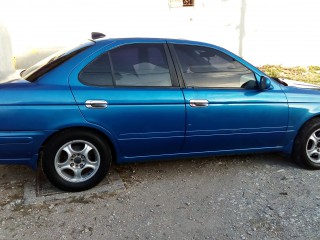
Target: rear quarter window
x,y
98,72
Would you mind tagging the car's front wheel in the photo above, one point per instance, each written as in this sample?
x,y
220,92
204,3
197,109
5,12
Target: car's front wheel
x,y
306,150
76,160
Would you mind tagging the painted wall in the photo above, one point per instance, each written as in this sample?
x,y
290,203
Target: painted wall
x,y
262,31
6,66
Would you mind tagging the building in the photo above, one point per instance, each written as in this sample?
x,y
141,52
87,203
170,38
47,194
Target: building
x,y
262,31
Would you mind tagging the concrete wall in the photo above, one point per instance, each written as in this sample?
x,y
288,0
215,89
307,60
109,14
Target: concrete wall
x,y
282,32
262,31
6,64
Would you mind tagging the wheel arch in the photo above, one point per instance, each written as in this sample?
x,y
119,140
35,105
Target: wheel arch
x,y
301,145
99,133
305,122
288,149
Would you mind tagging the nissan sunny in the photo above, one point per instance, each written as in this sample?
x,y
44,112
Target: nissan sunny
x,y
140,99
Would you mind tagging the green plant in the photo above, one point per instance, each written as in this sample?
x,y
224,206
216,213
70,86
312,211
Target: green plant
x,y
310,74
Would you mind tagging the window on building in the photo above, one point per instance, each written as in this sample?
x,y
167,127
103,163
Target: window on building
x,y
188,3
181,3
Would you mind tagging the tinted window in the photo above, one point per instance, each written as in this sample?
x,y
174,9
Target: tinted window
x,y
98,72
208,67
49,63
140,65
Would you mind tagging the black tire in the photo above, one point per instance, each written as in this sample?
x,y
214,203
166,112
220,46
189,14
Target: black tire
x,y
306,149
76,160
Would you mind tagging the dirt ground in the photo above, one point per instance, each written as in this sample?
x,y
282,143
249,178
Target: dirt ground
x,y
236,197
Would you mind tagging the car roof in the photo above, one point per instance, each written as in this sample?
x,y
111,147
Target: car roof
x,y
150,40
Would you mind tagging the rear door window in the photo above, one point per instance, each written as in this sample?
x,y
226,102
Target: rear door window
x,y
141,65
133,65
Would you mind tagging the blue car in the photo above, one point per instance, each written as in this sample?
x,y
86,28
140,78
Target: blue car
x,y
141,99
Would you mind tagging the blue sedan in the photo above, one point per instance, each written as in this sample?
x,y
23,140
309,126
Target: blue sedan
x,y
140,99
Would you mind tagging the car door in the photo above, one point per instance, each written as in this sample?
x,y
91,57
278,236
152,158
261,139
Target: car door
x,y
225,110
131,91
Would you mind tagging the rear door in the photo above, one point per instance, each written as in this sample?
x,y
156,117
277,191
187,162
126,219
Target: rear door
x,y
131,91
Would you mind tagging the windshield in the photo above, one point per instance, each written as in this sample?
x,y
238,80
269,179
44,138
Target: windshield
x,y
39,69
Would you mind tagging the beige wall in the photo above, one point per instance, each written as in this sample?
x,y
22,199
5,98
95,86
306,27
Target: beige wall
x,y
6,66
262,31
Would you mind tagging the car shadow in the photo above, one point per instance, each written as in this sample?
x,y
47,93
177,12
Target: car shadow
x,y
15,176
137,172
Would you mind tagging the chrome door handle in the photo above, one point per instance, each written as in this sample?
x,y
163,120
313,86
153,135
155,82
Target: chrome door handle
x,y
199,103
96,104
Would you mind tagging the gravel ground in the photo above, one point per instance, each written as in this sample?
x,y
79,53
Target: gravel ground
x,y
234,197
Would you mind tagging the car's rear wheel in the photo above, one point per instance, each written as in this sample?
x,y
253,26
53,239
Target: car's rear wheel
x,y
306,150
76,160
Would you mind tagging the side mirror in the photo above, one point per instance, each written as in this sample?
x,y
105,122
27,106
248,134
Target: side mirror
x,y
265,83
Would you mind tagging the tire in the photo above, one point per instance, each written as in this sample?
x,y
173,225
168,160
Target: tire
x,y
76,160
306,150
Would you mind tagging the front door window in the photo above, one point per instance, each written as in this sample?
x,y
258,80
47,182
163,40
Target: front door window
x,y
210,68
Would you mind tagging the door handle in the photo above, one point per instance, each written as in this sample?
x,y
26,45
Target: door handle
x,y
96,104
199,103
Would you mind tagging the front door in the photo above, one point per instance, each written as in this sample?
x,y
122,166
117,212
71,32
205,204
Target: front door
x,y
225,110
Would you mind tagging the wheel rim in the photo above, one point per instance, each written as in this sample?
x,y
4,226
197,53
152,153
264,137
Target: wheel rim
x,y
77,161
313,147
